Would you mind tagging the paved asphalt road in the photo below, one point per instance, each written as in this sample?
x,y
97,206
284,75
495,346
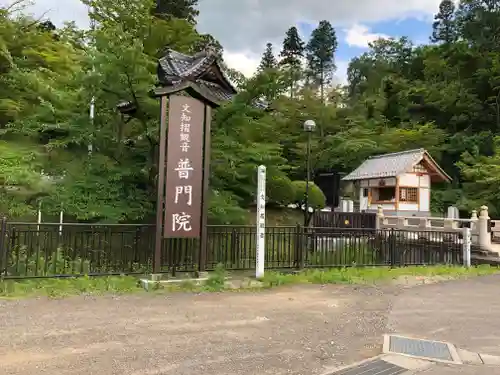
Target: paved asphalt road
x,y
296,330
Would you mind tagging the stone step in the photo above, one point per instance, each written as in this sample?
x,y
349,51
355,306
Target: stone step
x,y
490,260
485,253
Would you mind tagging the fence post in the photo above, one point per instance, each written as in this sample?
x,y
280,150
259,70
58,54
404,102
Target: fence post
x,y
392,247
466,246
3,246
299,241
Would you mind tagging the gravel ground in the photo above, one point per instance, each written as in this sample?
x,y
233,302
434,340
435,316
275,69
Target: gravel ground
x,y
296,330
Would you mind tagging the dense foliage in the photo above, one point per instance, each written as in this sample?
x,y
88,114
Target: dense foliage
x,y
444,97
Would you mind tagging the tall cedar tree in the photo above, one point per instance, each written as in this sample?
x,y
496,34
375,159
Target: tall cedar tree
x,y
321,55
293,48
183,9
291,54
268,60
444,28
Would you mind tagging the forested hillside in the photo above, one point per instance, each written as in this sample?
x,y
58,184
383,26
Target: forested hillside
x,y
444,96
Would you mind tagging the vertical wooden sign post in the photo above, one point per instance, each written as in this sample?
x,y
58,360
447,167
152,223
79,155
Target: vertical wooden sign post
x,y
189,87
183,175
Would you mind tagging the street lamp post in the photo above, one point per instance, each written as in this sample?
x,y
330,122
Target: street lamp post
x,y
309,126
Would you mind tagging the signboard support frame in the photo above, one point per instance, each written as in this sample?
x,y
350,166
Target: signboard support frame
x,y
160,200
202,260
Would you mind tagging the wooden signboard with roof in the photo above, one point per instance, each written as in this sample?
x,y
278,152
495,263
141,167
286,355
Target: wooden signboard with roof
x,y
189,87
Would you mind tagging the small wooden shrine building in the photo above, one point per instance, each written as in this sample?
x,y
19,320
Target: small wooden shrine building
x,y
400,182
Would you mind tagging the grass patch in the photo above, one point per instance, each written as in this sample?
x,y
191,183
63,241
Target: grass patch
x,y
217,281
372,275
67,287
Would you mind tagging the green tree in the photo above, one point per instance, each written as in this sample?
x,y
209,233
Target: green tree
x,y
207,41
268,60
444,28
308,202
443,97
182,9
291,55
293,49
479,22
481,178
38,100
321,50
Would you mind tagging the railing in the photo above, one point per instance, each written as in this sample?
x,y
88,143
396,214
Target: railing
x,y
480,226
334,219
50,250
427,223
76,249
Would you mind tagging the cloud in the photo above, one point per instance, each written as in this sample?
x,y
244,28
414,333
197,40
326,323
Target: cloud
x,y
360,36
55,10
243,61
249,24
245,26
341,73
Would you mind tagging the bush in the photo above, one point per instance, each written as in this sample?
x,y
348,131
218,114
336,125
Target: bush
x,y
316,199
280,190
224,209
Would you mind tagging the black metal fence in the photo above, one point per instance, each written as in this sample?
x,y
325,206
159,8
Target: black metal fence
x,y
51,250
332,219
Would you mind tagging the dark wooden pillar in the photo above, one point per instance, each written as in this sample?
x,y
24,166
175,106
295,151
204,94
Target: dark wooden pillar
x,y
160,199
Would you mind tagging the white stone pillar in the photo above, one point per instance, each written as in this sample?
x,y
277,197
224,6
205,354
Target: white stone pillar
x,y
484,235
473,228
350,205
466,247
452,213
344,205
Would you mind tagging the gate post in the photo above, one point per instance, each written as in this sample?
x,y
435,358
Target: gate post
x,y
484,235
466,246
299,243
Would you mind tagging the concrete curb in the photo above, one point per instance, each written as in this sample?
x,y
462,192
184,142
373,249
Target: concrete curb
x,y
456,360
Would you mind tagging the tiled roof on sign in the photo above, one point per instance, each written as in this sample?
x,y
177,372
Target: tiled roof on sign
x,y
391,165
200,75
202,68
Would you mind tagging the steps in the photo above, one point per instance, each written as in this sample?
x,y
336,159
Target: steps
x,y
477,260
480,256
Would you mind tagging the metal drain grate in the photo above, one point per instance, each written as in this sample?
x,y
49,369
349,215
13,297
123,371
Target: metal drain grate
x,y
375,367
420,348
